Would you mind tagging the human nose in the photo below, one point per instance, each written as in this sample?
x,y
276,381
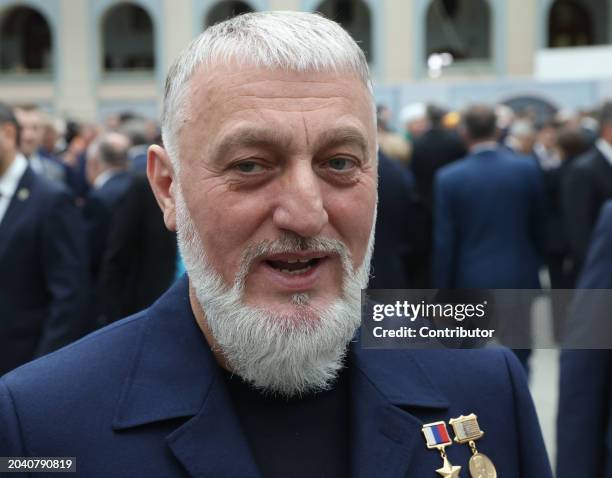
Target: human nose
x,y
300,206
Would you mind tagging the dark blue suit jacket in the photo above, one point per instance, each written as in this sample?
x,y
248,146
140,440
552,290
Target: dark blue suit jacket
x,y
395,228
489,222
43,272
98,211
585,400
145,397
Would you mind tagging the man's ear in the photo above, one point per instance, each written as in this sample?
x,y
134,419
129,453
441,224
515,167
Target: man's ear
x,y
161,176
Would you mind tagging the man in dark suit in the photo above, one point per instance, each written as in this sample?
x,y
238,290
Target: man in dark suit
x,y
140,259
585,395
247,366
42,258
402,230
587,185
436,148
489,225
108,176
489,216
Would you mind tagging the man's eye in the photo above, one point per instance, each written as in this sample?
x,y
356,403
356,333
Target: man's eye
x,y
249,167
341,164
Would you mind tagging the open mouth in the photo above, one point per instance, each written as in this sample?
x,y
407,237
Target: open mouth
x,y
294,266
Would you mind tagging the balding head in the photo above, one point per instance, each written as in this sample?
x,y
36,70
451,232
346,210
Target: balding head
x,y
109,151
112,149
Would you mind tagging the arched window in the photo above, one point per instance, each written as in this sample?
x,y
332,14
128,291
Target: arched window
x,y
127,39
540,109
458,30
355,18
578,23
224,10
25,42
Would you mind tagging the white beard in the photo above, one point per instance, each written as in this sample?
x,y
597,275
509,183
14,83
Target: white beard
x,y
277,353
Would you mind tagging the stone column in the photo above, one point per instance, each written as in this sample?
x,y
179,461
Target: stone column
x,y
76,87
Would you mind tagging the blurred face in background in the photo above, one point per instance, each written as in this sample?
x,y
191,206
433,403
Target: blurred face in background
x,y
547,137
50,137
32,130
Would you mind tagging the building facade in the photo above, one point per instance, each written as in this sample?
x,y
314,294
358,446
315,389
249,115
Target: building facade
x,y
88,59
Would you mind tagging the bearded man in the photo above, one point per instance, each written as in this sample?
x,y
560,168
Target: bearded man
x,y
246,367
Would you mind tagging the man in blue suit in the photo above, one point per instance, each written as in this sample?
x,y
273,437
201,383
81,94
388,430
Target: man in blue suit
x,y
42,258
585,397
247,367
489,217
489,225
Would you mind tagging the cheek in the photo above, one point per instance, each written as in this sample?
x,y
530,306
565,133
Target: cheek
x,y
227,225
351,213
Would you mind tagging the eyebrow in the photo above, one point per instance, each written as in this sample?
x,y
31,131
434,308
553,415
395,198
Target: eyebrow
x,y
244,137
343,135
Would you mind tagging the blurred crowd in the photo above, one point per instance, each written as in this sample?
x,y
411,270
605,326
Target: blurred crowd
x,y
573,178
82,239
485,197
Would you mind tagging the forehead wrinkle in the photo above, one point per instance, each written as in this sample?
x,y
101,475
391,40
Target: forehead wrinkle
x,y
309,103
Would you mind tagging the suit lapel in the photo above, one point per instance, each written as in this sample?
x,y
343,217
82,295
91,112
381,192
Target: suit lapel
x,y
174,375
17,209
212,443
386,437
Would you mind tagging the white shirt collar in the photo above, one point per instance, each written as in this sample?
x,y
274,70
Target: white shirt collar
x,y
548,159
484,146
10,179
605,148
104,177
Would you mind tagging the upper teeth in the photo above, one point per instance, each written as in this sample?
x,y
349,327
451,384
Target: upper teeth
x,y
293,261
297,271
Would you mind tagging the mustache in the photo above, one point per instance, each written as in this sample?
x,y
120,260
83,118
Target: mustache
x,y
290,242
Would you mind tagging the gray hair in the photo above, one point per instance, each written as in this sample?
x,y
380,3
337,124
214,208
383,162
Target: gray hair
x,y
293,41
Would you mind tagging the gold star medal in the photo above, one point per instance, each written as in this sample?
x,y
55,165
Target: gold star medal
x,y
437,437
467,430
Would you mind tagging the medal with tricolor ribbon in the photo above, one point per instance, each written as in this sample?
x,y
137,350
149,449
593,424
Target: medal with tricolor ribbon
x,y
467,430
437,437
